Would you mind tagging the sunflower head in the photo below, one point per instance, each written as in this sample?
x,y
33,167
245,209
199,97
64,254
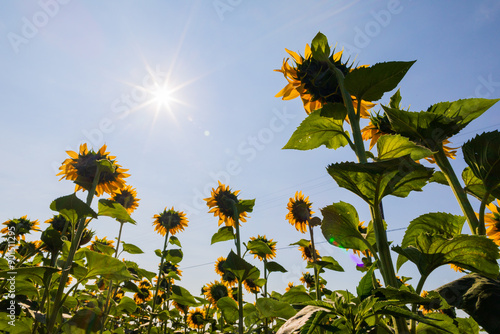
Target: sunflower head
x,y
308,280
144,293
30,247
170,221
58,223
86,237
222,203
127,197
251,286
196,318
19,227
307,253
261,255
81,168
492,222
119,295
94,245
183,309
217,290
169,267
289,286
227,277
299,211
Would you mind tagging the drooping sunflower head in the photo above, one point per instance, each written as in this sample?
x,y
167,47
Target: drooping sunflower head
x,y
308,280
94,245
170,221
58,223
299,211
86,236
222,204
196,318
307,253
183,309
127,197
217,290
492,222
379,125
30,247
144,293
170,267
81,168
261,255
19,227
227,277
251,286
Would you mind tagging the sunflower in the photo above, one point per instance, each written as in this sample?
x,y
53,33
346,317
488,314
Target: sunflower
x,y
30,247
222,203
196,318
180,307
216,290
290,285
299,211
160,297
270,243
457,268
363,230
144,294
315,83
307,253
492,222
119,294
250,286
94,246
58,223
170,221
380,125
227,277
169,267
308,279
127,197
425,309
19,227
81,168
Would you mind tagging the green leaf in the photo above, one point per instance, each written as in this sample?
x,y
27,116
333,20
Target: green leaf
x,y
365,285
240,268
473,252
229,309
444,322
375,180
131,249
173,240
72,208
330,263
271,308
174,255
223,234
395,100
259,248
340,226
182,296
127,304
334,110
316,130
482,154
319,47
89,319
296,295
474,185
444,224
14,324
275,267
34,273
440,178
114,210
370,83
105,266
396,146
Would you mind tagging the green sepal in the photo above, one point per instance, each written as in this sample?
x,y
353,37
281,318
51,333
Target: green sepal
x,y
223,234
444,224
316,130
72,208
375,180
472,252
370,83
482,154
319,47
114,210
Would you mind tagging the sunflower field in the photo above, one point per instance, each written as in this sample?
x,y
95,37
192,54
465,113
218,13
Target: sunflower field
x,y
72,281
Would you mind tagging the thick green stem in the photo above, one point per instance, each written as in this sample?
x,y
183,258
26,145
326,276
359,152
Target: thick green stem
x,y
418,290
69,261
316,273
481,229
240,286
159,277
445,166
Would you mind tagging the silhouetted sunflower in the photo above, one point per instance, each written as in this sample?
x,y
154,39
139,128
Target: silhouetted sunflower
x,y
170,221
127,197
222,203
94,246
19,227
299,211
81,168
307,253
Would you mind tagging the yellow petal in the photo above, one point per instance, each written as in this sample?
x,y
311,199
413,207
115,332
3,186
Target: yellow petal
x,y
295,55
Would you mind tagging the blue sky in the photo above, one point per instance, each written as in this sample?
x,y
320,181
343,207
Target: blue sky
x,y
75,71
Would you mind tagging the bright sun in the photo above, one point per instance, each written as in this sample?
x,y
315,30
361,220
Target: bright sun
x,y
162,97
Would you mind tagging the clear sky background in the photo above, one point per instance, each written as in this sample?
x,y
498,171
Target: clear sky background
x,y
81,71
